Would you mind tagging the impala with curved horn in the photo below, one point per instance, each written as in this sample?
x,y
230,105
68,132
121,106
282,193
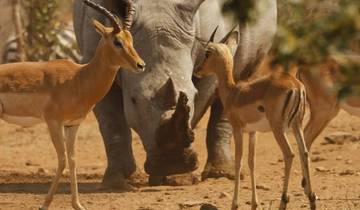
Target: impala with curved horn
x,y
61,93
126,8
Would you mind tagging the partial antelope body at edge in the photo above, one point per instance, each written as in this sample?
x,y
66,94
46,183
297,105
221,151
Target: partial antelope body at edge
x,y
61,93
273,102
322,94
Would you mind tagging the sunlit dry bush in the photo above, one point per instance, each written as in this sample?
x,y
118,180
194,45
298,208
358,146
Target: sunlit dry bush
x,y
42,23
310,32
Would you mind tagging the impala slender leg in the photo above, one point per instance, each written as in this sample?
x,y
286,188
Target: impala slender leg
x,y
288,155
319,119
56,131
238,136
305,163
251,162
71,135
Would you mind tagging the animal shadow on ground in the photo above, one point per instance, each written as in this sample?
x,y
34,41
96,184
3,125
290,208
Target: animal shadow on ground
x,y
39,184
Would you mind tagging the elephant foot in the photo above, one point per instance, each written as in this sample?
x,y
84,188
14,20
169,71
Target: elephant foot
x,y
218,170
174,180
116,181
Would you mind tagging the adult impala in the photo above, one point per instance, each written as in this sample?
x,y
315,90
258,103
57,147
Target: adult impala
x,y
61,93
322,97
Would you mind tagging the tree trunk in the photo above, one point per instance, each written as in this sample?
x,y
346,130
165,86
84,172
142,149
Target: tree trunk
x,y
19,31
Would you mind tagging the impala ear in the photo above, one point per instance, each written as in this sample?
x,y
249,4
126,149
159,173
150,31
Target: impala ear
x,y
233,40
101,29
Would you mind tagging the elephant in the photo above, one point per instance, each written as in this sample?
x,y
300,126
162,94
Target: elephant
x,y
165,103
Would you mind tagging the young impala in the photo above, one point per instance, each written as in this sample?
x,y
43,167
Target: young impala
x,y
269,103
61,93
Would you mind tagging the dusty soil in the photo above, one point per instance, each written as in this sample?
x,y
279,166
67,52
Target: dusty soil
x,y
28,161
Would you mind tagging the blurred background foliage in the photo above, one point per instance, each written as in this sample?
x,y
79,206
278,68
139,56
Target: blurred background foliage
x,y
312,32
45,30
41,24
309,33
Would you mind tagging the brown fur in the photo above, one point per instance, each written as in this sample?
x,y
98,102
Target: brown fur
x,y
241,103
324,104
319,82
48,75
62,93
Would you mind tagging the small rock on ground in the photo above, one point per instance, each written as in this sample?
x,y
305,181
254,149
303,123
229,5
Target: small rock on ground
x,y
263,187
347,172
340,138
316,152
322,169
208,206
317,159
339,157
349,162
42,171
30,163
145,208
190,204
225,195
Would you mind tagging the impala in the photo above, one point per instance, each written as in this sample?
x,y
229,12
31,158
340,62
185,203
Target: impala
x,y
61,93
323,100
274,102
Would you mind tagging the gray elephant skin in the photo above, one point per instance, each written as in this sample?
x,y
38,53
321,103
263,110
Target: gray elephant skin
x,y
166,102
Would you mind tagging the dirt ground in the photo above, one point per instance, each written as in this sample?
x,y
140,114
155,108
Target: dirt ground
x,y
28,161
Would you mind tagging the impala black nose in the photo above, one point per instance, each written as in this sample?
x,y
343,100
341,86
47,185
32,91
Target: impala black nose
x,y
141,66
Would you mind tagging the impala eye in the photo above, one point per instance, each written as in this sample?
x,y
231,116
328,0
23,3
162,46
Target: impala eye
x,y
117,43
207,54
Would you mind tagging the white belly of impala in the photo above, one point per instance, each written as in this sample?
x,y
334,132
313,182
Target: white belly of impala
x,y
21,120
351,109
262,125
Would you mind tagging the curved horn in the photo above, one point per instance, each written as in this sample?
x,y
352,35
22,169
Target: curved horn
x,y
212,37
228,35
113,19
129,14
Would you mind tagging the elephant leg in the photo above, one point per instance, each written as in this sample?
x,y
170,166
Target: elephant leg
x,y
219,132
117,140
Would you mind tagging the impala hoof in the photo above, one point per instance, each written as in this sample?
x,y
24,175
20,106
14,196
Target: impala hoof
x,y
312,199
235,207
78,206
284,201
254,206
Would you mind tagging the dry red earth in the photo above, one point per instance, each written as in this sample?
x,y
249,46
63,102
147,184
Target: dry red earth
x,y
28,161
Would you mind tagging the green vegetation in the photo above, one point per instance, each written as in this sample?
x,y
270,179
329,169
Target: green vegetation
x,y
41,28
309,32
